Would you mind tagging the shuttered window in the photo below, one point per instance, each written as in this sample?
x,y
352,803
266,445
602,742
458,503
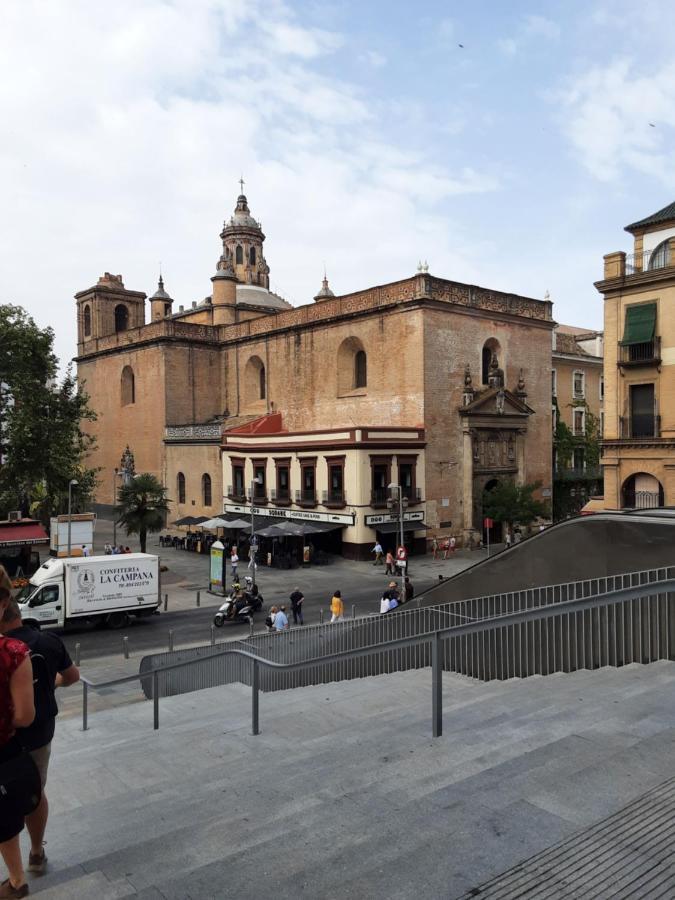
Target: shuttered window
x,y
640,324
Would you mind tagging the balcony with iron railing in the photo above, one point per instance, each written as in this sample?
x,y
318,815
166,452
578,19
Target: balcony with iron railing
x,y
649,260
234,493
379,496
412,495
306,497
638,428
641,264
578,473
282,496
647,353
334,498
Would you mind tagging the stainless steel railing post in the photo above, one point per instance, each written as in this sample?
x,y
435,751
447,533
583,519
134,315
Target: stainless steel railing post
x,y
85,704
255,684
437,685
155,700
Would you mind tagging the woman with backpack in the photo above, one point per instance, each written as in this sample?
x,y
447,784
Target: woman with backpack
x,y
19,778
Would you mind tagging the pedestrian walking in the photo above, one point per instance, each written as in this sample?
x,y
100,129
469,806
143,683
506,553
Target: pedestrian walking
x,y
252,564
389,559
281,619
453,544
401,558
408,590
52,668
234,561
337,607
297,600
17,710
446,547
508,539
434,548
377,550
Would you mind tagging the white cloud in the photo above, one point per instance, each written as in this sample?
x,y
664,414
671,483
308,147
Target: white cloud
x,y
125,127
374,59
531,28
619,119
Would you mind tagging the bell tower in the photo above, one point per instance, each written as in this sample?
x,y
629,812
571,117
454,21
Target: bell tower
x,y
105,309
243,239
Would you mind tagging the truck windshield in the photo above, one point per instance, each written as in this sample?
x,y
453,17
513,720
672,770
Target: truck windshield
x,y
25,593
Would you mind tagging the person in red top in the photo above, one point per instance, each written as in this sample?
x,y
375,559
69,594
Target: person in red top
x,y
17,710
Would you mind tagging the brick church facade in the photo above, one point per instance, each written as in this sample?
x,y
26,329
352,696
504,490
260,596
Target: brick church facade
x,y
440,387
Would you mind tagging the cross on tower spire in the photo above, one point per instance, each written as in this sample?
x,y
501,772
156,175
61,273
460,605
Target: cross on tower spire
x,y
242,183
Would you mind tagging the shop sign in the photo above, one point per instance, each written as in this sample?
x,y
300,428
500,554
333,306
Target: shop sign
x,y
393,517
291,514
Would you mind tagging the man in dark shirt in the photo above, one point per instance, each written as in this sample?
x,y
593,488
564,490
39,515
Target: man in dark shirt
x,y
297,599
52,668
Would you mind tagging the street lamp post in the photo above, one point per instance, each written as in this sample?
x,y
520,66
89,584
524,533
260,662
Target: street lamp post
x,y
116,475
397,494
252,551
71,485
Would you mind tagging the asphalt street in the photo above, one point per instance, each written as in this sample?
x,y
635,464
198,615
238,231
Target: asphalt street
x,y
361,584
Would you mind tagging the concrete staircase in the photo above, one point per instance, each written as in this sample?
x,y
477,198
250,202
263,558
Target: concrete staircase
x,y
345,794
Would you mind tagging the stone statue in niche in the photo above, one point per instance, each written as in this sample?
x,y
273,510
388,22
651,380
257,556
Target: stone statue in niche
x,y
495,374
499,402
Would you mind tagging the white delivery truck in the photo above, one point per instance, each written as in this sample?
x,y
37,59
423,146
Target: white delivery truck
x,y
106,590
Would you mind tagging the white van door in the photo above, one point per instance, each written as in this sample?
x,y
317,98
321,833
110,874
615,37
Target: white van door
x,y
46,605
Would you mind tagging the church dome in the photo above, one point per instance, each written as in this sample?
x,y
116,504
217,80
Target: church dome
x,y
242,217
160,293
325,293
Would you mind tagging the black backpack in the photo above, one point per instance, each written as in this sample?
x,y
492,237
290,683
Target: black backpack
x,y
43,688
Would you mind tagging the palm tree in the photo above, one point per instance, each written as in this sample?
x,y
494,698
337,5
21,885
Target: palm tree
x,y
141,506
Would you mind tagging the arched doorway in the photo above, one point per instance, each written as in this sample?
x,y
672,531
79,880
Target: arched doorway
x,y
641,491
496,530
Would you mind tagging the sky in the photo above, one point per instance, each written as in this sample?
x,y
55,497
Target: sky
x,y
505,143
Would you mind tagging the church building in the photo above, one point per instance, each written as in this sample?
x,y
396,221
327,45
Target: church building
x,y
312,412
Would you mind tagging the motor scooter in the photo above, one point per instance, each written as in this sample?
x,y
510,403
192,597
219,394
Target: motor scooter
x,y
239,606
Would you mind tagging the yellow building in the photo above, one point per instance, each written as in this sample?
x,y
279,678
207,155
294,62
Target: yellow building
x,y
639,435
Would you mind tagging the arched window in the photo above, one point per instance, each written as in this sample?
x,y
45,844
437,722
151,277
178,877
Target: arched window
x,y
121,317
87,320
660,258
128,386
360,369
206,489
251,256
489,347
181,487
352,367
255,381
239,255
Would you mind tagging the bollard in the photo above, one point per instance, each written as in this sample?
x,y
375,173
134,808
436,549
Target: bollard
x,y
77,654
321,617
166,601
199,598
250,627
353,610
213,635
171,640
125,647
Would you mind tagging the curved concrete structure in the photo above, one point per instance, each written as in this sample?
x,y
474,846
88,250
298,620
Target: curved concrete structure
x,y
573,550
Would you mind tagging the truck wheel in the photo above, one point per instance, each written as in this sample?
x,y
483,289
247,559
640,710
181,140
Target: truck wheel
x,y
117,620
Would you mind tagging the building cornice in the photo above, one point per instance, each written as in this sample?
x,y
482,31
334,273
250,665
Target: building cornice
x,y
626,284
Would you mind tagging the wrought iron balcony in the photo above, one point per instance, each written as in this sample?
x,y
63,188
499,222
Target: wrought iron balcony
x,y
588,473
379,496
281,495
334,498
648,261
639,427
412,495
306,497
235,493
645,354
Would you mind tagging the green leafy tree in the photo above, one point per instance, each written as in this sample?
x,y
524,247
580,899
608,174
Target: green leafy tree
x,y
142,506
513,504
42,443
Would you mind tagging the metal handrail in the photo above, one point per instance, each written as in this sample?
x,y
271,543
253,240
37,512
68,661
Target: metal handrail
x,y
434,638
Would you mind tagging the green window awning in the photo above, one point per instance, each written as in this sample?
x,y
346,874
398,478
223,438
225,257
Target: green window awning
x,y
640,324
